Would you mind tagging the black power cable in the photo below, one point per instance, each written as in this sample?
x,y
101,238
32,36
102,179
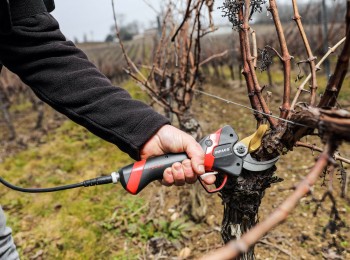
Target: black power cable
x,y
87,183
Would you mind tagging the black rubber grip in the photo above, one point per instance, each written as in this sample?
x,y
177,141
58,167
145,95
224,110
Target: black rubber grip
x,y
138,175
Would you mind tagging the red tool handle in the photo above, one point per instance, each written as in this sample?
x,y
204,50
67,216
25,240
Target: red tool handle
x,y
219,156
138,175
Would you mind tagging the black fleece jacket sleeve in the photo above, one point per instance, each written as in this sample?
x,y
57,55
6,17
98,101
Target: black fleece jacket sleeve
x,y
61,75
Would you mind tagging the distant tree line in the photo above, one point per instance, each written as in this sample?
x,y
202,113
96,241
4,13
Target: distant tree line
x,y
126,32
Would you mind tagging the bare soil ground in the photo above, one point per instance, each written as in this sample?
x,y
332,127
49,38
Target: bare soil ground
x,y
304,235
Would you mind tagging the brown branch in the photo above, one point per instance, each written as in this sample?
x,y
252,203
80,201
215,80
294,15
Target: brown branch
x,y
318,149
275,51
144,81
210,5
334,122
214,56
183,53
197,49
301,87
335,83
254,101
246,42
144,84
209,31
234,248
118,36
311,58
162,39
187,14
185,61
286,59
155,96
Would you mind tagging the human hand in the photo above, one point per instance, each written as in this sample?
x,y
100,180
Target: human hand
x,y
169,139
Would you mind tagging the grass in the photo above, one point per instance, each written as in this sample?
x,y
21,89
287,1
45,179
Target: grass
x,y
103,222
90,223
71,220
135,91
20,107
67,224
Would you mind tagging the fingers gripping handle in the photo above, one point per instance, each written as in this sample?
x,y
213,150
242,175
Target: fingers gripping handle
x,y
138,175
219,157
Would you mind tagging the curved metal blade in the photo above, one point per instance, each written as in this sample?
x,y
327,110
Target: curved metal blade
x,y
253,165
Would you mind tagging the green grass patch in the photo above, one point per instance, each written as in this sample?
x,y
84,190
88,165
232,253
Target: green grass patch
x,y
134,89
67,224
103,222
22,106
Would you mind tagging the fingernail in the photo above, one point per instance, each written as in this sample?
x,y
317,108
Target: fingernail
x,y
177,166
168,172
201,168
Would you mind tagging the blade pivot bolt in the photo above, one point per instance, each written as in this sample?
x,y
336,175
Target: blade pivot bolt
x,y
240,149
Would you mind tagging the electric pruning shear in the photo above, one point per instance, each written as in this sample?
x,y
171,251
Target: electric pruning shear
x,y
224,154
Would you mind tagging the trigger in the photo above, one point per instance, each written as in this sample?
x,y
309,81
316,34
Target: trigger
x,y
206,187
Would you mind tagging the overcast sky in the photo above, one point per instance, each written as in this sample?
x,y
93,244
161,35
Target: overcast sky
x,y
95,17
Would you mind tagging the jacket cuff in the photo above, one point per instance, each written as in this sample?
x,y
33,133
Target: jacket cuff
x,y
144,131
